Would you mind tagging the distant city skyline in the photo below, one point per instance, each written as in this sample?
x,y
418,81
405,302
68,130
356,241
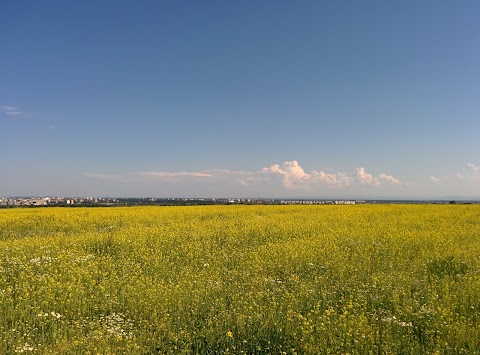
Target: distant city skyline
x,y
240,99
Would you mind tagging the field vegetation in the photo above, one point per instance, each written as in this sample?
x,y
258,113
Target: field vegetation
x,y
390,279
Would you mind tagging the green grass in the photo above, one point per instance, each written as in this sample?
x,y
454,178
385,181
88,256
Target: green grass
x,y
241,279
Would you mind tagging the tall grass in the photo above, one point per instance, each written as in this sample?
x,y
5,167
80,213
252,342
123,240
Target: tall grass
x,y
241,279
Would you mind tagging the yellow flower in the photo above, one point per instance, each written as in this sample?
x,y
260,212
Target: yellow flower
x,y
229,334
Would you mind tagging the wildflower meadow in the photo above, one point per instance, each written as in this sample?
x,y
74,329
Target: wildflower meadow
x,y
361,279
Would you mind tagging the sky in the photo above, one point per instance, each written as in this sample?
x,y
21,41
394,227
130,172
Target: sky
x,y
312,99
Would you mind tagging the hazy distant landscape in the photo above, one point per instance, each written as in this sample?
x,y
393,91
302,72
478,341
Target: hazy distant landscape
x,y
151,201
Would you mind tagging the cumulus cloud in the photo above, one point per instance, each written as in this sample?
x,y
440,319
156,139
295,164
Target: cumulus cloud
x,y
338,179
389,179
365,178
290,174
295,176
11,111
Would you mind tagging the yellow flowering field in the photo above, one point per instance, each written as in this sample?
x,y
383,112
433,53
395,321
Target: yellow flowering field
x,y
364,279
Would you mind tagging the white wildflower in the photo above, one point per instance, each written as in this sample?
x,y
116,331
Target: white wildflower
x,y
25,347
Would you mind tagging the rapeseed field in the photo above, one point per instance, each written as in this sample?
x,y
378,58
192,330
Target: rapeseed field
x,y
364,279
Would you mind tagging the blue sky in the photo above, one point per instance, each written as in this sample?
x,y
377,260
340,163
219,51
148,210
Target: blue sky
x,y
361,99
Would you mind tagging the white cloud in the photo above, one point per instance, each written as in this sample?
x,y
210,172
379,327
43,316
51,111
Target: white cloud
x,y
338,179
474,169
434,180
365,178
389,179
368,179
470,173
290,175
8,108
294,176
14,113
11,111
165,174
